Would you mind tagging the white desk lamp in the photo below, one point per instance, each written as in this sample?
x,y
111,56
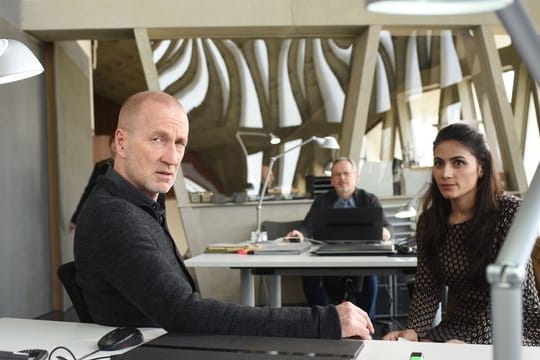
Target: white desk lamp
x,y
410,209
434,7
507,274
328,142
17,62
274,140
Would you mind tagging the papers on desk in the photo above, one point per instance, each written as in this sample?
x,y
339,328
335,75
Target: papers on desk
x,y
271,247
282,248
221,248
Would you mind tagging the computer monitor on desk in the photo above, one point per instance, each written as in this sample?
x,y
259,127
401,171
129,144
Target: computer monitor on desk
x,y
347,224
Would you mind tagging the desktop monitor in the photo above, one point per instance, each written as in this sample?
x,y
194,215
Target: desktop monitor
x,y
347,224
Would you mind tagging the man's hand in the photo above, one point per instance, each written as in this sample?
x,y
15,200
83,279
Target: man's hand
x,y
407,334
386,235
295,234
354,321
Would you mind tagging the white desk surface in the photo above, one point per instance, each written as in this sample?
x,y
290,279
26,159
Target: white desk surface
x,y
401,350
19,334
80,338
305,260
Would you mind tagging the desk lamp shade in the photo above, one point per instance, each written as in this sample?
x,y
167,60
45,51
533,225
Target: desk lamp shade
x,y
435,7
410,209
328,142
17,62
274,140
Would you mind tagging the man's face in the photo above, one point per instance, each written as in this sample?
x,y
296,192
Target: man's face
x,y
152,149
344,179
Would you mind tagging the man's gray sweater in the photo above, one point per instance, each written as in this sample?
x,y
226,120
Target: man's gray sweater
x,y
131,274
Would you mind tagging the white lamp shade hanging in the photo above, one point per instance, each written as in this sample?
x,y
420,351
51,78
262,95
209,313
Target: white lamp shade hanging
x,y
17,62
435,7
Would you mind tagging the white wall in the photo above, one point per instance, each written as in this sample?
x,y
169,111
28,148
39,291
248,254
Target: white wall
x,y
25,274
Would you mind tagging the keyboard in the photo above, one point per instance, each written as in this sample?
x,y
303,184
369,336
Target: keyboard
x,y
357,248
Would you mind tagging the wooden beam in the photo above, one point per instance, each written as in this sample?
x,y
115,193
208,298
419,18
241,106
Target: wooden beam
x,y
81,19
147,61
499,122
356,108
521,97
52,168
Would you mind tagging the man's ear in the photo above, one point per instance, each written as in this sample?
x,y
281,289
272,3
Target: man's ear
x,y
120,141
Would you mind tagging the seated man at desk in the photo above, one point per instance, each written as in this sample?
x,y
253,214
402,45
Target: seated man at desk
x,y
128,267
325,290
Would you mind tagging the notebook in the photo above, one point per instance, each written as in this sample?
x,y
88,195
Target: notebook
x,y
350,231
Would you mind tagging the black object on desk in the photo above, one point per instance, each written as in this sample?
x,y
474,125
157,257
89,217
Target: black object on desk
x,y
225,347
30,354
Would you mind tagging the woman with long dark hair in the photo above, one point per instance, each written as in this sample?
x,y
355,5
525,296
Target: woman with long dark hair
x,y
464,221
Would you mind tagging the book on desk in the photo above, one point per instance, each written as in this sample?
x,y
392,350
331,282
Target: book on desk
x,y
270,247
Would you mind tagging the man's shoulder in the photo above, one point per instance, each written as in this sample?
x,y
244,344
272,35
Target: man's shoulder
x,y
328,197
103,203
364,193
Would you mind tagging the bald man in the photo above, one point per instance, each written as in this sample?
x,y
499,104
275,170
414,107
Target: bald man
x,y
128,267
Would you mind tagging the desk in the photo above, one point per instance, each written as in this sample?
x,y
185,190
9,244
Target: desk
x,y
276,266
400,350
18,334
80,338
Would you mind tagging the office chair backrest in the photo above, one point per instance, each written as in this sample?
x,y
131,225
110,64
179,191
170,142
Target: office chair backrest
x,y
277,229
66,274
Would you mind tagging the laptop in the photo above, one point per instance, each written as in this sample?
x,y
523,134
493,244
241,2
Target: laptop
x,y
350,231
174,346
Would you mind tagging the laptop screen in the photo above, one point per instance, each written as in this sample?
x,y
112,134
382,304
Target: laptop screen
x,y
349,224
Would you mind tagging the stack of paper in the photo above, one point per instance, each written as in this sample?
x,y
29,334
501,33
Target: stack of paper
x,y
231,247
281,248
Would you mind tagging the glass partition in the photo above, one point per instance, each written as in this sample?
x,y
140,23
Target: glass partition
x,y
298,87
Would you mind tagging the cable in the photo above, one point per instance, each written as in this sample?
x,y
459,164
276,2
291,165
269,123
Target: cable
x,y
73,357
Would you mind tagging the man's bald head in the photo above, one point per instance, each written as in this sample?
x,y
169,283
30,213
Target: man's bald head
x,y
150,141
135,108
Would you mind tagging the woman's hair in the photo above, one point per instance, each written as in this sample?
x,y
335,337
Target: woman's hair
x,y
480,230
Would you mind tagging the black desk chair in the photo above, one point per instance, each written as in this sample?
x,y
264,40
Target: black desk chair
x,y
66,274
276,229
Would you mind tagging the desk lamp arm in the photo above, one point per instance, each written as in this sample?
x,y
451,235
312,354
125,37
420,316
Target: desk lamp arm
x,y
267,178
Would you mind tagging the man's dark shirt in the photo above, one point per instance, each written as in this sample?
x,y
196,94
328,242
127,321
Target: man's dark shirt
x,y
131,274
362,199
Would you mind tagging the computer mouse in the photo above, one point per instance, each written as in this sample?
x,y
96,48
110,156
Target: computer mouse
x,y
404,250
120,338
